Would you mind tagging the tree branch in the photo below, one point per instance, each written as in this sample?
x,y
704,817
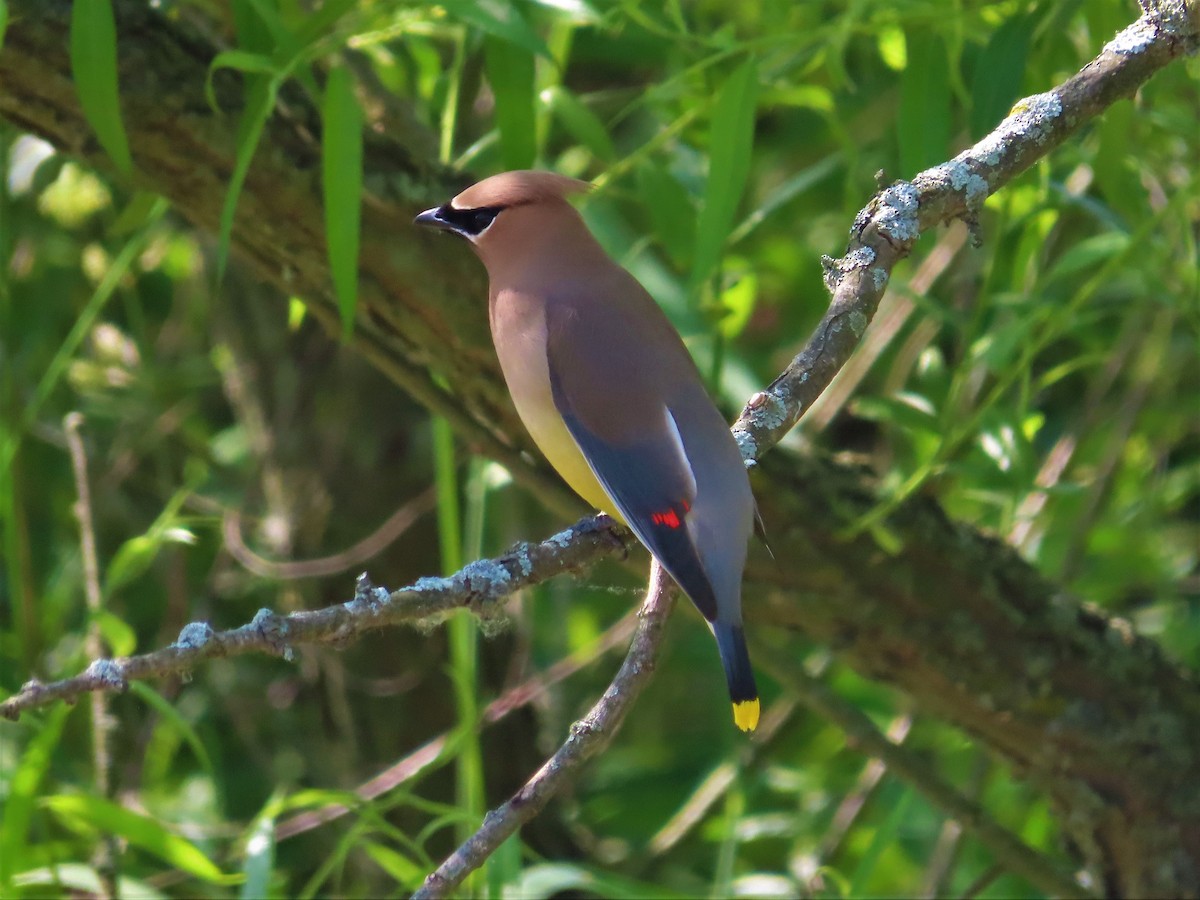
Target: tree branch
x,y
588,736
480,587
887,229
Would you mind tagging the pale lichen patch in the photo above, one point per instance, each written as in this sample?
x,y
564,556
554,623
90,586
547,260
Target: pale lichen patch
x,y
859,258
430,584
194,635
1134,39
108,673
857,321
562,540
1034,116
768,411
747,445
485,578
896,216
520,555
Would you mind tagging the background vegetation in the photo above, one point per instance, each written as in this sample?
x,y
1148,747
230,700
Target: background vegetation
x,y
1043,388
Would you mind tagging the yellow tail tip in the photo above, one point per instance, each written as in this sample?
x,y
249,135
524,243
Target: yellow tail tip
x,y
745,714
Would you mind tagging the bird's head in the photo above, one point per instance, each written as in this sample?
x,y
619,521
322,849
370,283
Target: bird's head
x,y
508,206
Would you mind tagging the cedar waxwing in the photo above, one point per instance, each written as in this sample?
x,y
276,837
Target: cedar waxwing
x,y
611,396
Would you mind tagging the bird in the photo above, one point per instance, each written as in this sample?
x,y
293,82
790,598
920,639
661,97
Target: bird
x,y
610,395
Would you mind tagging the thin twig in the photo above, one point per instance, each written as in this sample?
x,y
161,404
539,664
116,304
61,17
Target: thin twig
x,y
588,736
107,849
416,762
369,547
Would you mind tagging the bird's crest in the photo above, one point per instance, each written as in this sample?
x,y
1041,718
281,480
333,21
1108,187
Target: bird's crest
x,y
518,188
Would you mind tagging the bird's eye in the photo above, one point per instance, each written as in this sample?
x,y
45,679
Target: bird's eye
x,y
482,218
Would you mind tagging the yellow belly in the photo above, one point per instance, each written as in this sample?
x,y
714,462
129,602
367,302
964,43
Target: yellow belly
x,y
520,337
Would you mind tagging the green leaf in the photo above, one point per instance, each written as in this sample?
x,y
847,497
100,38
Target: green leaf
x,y
1089,253
139,830
252,30
998,73
671,211
3,21
886,836
260,859
1117,173
172,716
923,125
241,61
545,880
259,106
341,157
578,12
908,411
94,71
737,303
81,878
131,559
788,191
404,871
510,73
497,18
116,632
22,789
504,866
580,122
136,554
730,144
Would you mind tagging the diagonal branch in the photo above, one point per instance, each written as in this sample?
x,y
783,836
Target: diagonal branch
x,y
588,736
887,229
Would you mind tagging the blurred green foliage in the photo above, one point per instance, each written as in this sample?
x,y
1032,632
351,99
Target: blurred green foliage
x,y
1045,390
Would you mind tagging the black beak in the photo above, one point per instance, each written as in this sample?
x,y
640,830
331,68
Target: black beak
x,y
433,218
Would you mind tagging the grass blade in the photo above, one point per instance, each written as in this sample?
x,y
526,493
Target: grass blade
x,y
258,109
22,792
580,122
510,73
260,859
499,20
731,141
94,71
341,152
998,73
923,126
141,831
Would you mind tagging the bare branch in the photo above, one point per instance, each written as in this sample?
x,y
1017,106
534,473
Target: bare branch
x,y
108,850
480,587
886,230
415,762
343,561
588,736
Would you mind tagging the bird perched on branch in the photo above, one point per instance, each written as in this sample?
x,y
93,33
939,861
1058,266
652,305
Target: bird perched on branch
x,y
611,396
